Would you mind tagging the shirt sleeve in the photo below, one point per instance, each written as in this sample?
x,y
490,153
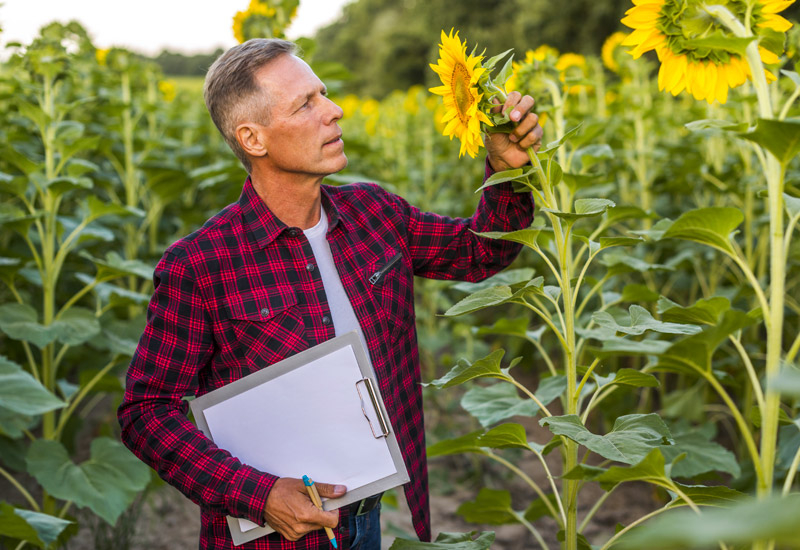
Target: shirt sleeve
x,y
447,248
176,345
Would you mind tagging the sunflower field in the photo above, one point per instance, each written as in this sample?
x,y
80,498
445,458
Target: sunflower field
x,y
631,381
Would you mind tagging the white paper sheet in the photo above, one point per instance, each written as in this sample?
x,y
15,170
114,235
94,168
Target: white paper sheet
x,y
291,425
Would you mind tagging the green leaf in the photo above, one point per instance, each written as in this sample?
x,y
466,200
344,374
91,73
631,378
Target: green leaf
x,y
508,277
584,208
715,124
62,184
98,209
779,137
639,293
107,483
492,404
114,265
703,312
39,529
448,541
629,377
786,382
538,509
583,544
549,149
19,321
517,174
76,326
525,237
718,42
22,393
717,495
702,455
743,524
491,507
711,226
482,299
463,444
650,468
638,322
488,367
625,346
792,205
505,436
631,439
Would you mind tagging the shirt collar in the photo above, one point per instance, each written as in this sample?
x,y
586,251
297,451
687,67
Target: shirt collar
x,y
264,225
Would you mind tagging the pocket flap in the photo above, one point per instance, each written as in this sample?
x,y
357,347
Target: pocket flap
x,y
259,305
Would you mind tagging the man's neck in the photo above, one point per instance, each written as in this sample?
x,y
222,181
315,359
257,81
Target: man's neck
x,y
296,203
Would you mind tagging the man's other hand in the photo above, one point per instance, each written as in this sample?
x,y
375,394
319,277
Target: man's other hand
x,y
507,151
291,513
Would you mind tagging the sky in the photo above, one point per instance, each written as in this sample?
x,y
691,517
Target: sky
x,y
149,26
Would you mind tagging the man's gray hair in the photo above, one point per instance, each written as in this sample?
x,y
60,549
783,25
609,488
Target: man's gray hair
x,y
231,91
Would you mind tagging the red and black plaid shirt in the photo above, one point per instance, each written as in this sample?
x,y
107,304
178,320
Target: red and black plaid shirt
x,y
239,294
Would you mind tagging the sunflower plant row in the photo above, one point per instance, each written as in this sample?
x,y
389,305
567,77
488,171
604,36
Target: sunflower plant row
x,y
635,291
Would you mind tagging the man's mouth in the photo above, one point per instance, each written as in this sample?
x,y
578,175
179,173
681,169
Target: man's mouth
x,y
337,139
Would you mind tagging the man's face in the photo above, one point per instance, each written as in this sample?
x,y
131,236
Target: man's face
x,y
302,136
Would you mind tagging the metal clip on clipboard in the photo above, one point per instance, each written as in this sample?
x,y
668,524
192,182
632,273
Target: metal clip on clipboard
x,y
384,432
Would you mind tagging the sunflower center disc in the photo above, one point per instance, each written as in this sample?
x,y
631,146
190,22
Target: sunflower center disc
x,y
461,93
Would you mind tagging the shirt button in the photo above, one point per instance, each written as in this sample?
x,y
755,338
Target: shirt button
x,y
310,268
326,320
294,232
265,312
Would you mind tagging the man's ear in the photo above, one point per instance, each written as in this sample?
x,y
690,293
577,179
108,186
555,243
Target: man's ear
x,y
252,139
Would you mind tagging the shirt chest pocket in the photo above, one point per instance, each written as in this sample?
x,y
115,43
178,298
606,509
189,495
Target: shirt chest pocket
x,y
392,284
265,325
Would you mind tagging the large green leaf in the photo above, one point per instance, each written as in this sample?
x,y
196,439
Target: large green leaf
x,y
650,468
525,237
491,506
36,528
97,209
488,367
749,521
638,321
492,404
482,299
625,346
463,444
631,439
19,321
505,436
711,226
704,311
702,453
448,541
22,393
107,483
517,174
779,137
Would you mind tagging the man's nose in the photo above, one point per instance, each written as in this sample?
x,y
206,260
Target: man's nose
x,y
336,112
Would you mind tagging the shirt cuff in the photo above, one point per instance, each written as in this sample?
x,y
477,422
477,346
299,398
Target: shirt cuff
x,y
248,498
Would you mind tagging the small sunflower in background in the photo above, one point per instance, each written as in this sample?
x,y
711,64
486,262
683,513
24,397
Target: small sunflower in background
x,y
572,66
466,105
696,52
264,19
611,49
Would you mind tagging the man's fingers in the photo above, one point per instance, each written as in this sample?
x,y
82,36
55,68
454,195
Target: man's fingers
x,y
524,127
532,139
329,490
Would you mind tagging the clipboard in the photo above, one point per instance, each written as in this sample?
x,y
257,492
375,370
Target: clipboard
x,y
328,393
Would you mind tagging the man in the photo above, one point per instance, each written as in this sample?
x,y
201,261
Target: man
x,y
290,265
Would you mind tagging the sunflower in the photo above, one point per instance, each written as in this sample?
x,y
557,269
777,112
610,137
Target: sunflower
x,y
460,75
609,50
687,42
572,65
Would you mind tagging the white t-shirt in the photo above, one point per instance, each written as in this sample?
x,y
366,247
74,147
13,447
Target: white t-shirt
x,y
344,318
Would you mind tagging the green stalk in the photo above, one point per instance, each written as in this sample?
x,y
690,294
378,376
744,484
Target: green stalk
x,y
775,178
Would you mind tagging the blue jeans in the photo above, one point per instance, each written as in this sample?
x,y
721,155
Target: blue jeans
x,y
365,530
